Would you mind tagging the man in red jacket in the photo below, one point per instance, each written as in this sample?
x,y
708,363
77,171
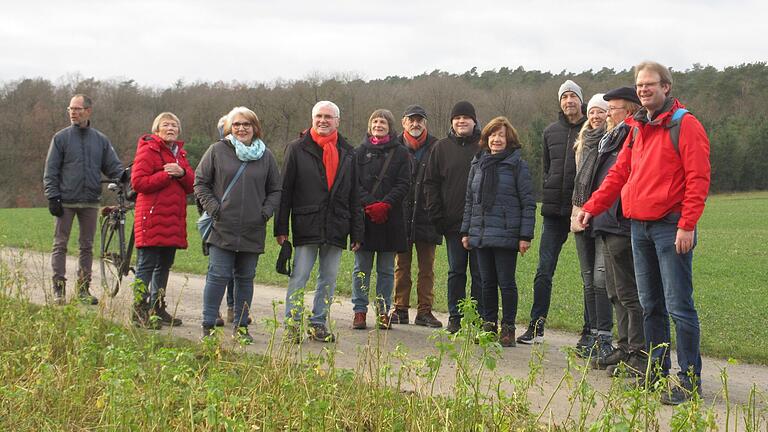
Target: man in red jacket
x,y
663,187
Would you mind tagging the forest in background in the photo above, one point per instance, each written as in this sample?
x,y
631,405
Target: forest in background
x,y
731,103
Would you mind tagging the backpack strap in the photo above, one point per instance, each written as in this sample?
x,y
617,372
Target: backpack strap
x,y
674,127
635,131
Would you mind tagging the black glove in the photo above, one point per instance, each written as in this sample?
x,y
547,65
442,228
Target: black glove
x,y
54,206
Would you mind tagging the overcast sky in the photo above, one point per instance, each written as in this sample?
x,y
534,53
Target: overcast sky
x,y
158,42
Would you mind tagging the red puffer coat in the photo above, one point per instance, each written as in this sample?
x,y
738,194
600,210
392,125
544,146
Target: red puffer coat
x,y
161,204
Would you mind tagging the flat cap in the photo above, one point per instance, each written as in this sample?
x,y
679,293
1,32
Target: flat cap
x,y
626,93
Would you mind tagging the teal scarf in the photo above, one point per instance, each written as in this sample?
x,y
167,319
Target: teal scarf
x,y
248,153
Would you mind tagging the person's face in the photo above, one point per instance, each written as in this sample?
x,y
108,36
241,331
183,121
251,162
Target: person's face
x,y
168,130
570,104
497,140
463,125
596,117
650,90
325,122
379,127
617,110
415,125
243,129
78,114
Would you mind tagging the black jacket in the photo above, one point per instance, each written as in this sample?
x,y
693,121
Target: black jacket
x,y
389,236
559,166
317,215
611,221
418,225
446,180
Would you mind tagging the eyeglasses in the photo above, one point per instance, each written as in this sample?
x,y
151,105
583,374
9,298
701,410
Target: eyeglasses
x,y
239,125
647,85
76,109
324,117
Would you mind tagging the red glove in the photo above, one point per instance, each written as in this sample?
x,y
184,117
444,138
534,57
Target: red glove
x,y
378,212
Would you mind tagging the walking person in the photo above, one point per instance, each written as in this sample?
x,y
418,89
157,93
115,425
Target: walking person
x,y
77,157
421,232
499,217
242,164
383,181
162,178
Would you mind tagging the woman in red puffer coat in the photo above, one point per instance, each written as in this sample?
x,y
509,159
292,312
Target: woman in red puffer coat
x,y
162,177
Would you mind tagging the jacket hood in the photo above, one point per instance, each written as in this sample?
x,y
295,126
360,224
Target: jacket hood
x,y
641,116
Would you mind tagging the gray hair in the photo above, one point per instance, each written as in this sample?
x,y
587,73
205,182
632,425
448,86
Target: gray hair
x,y
326,104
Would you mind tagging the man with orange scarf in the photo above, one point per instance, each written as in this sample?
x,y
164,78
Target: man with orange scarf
x,y
320,199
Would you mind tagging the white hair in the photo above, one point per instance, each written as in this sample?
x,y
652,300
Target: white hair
x,y
324,104
222,121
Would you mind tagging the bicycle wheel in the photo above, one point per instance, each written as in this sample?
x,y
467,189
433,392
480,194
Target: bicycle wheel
x,y
112,253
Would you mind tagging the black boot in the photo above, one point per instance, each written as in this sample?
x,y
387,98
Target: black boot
x,y
83,292
165,317
142,317
59,290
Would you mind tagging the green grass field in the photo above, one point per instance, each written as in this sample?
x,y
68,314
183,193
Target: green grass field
x,y
730,272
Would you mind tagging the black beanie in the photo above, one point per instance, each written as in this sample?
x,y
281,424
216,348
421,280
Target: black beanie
x,y
464,108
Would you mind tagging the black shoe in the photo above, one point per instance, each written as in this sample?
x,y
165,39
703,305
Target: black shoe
x,y
603,350
84,295
242,336
320,333
634,367
165,317
399,316
454,325
489,327
142,317
426,319
208,332
219,321
680,393
534,334
59,291
292,334
586,344
617,356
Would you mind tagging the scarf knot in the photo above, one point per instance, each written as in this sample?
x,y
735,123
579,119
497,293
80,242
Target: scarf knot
x,y
247,153
330,153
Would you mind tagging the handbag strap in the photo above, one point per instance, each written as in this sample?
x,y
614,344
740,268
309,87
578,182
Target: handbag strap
x,y
234,179
383,171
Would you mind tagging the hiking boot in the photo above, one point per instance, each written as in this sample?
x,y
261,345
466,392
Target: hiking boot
x,y
618,355
488,327
292,334
320,333
219,321
382,322
208,332
507,337
602,351
586,343
141,317
680,393
242,336
634,367
534,334
165,317
358,322
59,291
230,315
454,325
399,316
83,294
426,319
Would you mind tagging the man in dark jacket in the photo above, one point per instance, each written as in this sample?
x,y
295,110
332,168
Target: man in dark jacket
x,y
445,184
320,198
559,173
77,157
420,231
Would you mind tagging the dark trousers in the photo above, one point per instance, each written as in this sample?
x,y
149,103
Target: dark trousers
x,y
497,270
554,233
622,291
597,306
458,258
153,264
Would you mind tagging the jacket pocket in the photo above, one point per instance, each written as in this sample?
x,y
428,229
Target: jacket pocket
x,y
305,220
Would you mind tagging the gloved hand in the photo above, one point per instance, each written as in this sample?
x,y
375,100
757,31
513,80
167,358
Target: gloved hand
x,y
55,207
378,212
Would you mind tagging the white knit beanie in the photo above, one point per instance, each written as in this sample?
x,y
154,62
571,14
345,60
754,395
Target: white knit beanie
x,y
598,101
569,85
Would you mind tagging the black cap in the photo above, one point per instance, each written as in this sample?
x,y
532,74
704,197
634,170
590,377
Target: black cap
x,y
626,93
464,108
414,110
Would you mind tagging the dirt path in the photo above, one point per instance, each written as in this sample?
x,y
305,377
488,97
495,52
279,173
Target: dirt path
x,y
185,297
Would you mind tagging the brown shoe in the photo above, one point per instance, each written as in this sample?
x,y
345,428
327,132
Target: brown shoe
x,y
382,322
507,338
399,316
426,319
358,322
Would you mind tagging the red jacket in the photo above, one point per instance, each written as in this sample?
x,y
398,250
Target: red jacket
x,y
653,179
161,204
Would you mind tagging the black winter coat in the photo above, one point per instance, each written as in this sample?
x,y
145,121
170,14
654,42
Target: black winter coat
x,y
559,166
389,236
418,225
317,215
611,221
513,214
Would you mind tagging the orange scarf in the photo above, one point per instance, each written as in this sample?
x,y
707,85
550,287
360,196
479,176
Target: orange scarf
x,y
330,154
415,143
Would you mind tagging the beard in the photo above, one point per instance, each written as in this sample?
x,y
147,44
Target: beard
x,y
415,132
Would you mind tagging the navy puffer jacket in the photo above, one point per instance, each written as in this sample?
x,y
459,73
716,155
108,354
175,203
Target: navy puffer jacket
x,y
513,214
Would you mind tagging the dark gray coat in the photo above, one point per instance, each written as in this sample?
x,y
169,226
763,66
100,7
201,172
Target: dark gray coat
x,y
513,214
76,159
611,221
240,221
418,225
559,166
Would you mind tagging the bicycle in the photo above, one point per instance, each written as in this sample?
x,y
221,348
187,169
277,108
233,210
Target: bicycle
x,y
115,258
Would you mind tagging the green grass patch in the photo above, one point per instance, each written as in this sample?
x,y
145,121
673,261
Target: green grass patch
x,y
729,271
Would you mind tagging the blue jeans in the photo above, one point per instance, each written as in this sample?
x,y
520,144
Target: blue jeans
x,y
303,262
497,268
458,257
554,233
153,263
361,280
222,264
665,288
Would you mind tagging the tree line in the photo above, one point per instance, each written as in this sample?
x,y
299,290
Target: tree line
x,y
729,102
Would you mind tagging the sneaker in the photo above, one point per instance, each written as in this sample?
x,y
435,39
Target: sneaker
x,y
399,316
426,319
59,291
165,317
320,333
680,393
454,325
603,349
230,315
358,322
507,337
534,334
219,321
242,336
617,356
382,322
208,332
586,344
